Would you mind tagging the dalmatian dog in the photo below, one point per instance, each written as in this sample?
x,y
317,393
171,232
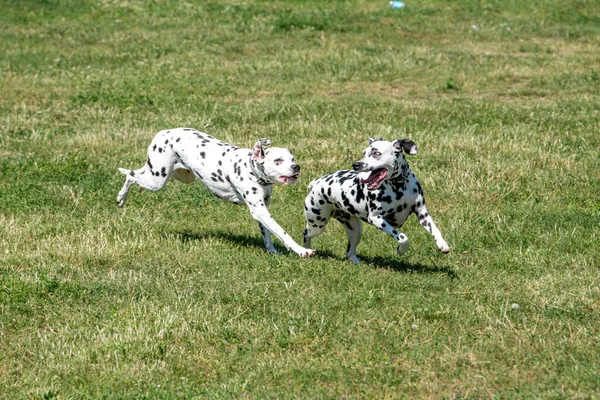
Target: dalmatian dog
x,y
236,175
380,190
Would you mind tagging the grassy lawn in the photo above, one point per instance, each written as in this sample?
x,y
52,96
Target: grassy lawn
x,y
175,296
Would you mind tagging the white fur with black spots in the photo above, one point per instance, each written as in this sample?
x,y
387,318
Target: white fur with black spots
x,y
381,190
236,175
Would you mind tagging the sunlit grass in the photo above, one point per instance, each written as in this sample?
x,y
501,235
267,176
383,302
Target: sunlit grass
x,y
175,296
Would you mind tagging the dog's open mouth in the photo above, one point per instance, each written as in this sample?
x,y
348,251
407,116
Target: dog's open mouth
x,y
289,179
375,178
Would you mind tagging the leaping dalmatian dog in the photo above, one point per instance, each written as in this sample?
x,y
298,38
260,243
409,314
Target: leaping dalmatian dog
x,y
236,175
380,190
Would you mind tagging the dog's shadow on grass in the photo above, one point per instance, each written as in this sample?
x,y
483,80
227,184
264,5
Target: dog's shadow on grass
x,y
243,240
381,262
399,265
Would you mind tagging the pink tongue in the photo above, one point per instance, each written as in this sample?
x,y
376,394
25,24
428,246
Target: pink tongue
x,y
375,177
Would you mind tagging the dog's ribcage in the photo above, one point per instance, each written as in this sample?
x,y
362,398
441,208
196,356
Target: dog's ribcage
x,y
215,163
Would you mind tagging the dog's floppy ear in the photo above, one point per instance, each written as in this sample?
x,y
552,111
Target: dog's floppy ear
x,y
258,153
407,145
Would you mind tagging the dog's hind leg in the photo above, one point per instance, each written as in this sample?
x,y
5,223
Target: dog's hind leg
x,y
131,177
353,227
316,220
152,176
267,238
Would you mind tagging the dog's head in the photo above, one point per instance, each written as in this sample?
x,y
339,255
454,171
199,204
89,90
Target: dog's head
x,y
276,164
383,160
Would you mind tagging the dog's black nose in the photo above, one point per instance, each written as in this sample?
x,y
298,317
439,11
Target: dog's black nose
x,y
357,166
295,168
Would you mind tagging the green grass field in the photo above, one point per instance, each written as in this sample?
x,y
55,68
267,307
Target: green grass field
x,y
175,296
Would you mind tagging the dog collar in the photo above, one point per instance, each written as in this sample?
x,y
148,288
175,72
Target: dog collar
x,y
398,180
257,171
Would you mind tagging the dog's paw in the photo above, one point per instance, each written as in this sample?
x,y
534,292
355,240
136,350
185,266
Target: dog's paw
x,y
307,253
354,260
272,250
402,248
444,249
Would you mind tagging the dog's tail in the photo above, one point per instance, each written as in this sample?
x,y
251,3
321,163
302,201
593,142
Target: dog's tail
x,y
126,171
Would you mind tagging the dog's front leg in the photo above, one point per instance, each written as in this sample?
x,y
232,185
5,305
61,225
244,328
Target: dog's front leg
x,y
427,222
401,238
262,215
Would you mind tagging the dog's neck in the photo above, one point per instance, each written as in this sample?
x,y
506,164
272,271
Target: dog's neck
x,y
400,172
259,173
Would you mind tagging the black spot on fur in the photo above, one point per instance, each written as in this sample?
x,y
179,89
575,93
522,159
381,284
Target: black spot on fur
x,y
203,154
178,139
360,195
163,172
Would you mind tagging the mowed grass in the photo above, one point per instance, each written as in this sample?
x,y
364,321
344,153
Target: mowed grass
x,y
175,296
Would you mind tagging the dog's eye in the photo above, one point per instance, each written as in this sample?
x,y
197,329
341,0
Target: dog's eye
x,y
278,161
376,154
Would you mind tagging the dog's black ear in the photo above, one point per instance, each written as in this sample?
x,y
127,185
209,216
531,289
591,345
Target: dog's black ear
x,y
258,153
407,145
371,140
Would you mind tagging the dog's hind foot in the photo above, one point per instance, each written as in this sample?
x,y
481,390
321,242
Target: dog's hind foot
x,y
354,259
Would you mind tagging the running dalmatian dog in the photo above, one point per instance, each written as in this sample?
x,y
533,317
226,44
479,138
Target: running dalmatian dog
x,y
381,190
236,175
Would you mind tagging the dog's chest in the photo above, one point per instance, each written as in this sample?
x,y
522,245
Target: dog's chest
x,y
396,202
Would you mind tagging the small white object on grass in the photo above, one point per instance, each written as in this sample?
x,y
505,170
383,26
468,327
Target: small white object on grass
x,y
396,4
515,306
